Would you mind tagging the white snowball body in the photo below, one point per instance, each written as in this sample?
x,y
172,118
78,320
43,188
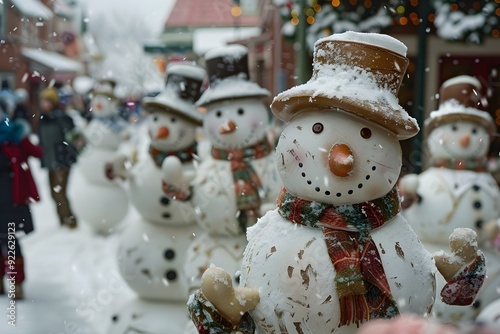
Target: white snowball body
x,y
289,263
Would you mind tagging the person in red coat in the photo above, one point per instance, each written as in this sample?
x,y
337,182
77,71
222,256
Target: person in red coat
x,y
17,191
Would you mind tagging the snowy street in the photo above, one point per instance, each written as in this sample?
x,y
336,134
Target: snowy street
x,y
72,282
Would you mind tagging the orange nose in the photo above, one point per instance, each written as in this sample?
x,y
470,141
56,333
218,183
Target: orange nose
x,y
162,133
340,160
227,128
465,140
98,106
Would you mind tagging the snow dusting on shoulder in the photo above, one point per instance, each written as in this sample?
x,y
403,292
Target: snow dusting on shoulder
x,y
381,40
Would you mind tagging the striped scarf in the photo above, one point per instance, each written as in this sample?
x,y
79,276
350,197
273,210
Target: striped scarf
x,y
246,182
360,279
474,164
185,155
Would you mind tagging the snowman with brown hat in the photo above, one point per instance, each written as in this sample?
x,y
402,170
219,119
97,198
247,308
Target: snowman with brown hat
x,y
237,180
457,190
337,251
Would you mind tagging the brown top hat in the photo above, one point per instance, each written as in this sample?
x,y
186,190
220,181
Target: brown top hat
x,y
183,86
227,70
358,72
460,99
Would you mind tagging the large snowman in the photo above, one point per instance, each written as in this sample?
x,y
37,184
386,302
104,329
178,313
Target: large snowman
x,y
100,202
151,251
336,252
238,180
457,191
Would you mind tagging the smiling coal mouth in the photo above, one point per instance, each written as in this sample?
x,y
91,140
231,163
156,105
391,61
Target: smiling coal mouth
x,y
337,194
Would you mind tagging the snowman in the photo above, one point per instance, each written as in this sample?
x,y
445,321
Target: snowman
x,y
457,191
237,181
336,251
101,203
151,251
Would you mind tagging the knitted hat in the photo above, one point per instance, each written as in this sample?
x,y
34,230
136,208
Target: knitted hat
x,y
227,69
360,73
460,100
50,94
183,86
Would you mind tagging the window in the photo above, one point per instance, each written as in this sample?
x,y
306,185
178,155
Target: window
x,y
3,16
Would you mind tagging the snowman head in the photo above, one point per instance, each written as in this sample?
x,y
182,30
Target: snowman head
x,y
104,102
458,140
338,158
104,105
459,129
173,117
236,123
169,131
340,144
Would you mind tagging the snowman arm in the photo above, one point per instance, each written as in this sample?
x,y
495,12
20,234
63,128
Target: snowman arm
x,y
117,167
174,180
219,308
464,269
408,186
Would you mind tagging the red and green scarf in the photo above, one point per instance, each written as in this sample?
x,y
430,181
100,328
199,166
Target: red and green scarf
x,y
247,183
360,279
185,155
474,164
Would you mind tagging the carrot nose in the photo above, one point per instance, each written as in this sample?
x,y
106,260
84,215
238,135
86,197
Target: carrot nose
x,y
341,160
465,140
228,128
162,133
98,106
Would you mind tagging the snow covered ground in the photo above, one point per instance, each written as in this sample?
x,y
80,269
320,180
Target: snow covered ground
x,y
72,281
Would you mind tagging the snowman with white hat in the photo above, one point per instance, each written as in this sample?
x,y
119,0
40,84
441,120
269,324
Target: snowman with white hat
x,y
457,190
93,194
238,180
337,251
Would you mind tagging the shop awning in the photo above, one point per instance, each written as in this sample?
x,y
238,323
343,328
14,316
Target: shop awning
x,y
33,8
52,60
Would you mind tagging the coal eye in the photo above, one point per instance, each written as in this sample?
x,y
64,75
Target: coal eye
x,y
365,133
317,128
173,119
171,275
155,118
474,131
169,254
241,111
454,128
218,113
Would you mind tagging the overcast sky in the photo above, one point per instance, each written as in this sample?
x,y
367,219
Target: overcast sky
x,y
152,13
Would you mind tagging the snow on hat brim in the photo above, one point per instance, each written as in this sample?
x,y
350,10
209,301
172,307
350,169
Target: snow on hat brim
x,y
453,111
385,116
231,88
170,102
355,76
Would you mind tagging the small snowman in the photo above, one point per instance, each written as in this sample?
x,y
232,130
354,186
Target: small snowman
x,y
336,251
100,202
237,181
457,191
151,251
